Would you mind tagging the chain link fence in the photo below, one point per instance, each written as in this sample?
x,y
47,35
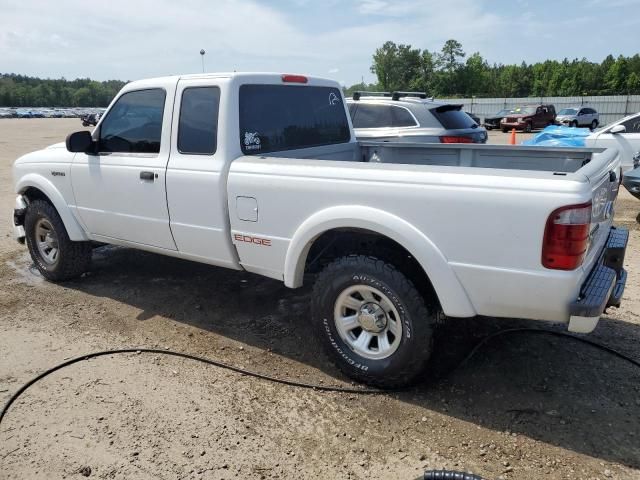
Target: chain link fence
x,y
610,108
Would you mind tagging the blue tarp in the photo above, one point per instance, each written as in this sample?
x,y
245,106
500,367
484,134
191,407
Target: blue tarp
x,y
559,136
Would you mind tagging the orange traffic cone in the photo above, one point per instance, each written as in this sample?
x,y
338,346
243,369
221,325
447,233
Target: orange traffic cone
x,y
512,141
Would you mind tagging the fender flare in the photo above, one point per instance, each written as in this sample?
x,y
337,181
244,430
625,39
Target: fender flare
x,y
451,294
74,229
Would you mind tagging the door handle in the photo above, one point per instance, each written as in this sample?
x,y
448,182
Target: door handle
x,y
147,176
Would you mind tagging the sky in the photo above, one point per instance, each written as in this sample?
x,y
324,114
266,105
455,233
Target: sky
x,y
132,39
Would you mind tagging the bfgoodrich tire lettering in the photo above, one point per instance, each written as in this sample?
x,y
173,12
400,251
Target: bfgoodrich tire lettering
x,y
72,258
409,359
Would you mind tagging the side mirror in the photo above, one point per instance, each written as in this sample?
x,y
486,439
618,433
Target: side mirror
x,y
79,142
618,129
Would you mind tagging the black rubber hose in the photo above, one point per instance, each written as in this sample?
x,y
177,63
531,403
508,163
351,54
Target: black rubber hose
x,y
597,345
449,475
216,363
293,383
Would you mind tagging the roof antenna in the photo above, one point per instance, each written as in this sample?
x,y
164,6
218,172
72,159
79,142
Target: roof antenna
x,y
202,52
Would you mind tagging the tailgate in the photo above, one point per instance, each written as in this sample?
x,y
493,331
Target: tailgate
x,y
605,185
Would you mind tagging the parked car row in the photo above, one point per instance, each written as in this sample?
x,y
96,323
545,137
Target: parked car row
x,y
402,117
40,112
530,117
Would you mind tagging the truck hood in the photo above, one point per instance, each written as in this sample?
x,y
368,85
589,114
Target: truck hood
x,y
56,153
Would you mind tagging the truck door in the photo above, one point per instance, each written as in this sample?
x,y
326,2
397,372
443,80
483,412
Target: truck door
x,y
120,191
197,174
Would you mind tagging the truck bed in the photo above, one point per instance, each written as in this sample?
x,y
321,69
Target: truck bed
x,y
508,157
480,210
559,160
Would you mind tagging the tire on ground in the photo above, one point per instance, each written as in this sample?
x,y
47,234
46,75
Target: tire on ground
x,y
404,366
73,258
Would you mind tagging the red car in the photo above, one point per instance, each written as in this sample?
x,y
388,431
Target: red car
x,y
528,117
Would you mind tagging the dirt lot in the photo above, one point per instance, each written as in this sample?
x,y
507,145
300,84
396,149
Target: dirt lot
x,y
525,407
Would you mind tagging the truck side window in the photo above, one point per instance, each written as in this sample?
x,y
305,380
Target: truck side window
x,y
134,123
198,125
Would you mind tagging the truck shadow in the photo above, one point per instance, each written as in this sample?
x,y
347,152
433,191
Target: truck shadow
x,y
550,389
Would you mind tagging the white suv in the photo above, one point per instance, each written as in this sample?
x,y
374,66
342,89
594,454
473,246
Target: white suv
x,y
579,117
411,117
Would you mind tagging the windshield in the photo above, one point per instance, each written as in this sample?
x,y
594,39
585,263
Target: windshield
x,y
504,112
568,111
524,110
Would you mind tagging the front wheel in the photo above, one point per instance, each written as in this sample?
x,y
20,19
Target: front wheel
x,y
53,253
594,125
528,128
372,321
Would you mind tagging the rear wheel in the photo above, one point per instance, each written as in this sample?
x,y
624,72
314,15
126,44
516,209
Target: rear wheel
x,y
594,125
505,130
372,321
54,254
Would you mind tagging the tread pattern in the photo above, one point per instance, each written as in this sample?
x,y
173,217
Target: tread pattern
x,y
422,319
75,257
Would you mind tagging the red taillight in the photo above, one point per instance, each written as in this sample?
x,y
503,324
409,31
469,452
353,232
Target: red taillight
x,y
453,139
566,237
294,79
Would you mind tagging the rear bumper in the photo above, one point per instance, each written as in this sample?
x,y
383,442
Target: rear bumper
x,y
604,285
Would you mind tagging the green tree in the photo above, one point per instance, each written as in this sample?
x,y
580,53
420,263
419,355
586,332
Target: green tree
x,y
451,55
633,84
384,65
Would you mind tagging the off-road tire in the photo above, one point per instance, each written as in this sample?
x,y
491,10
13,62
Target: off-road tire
x,y
73,257
409,361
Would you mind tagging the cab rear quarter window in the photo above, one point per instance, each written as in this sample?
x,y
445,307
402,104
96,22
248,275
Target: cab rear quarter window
x,y
198,125
286,117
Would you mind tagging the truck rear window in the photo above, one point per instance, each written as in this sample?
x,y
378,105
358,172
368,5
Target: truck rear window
x,y
286,117
452,117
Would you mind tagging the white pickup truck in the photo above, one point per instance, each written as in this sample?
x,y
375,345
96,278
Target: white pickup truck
x,y
262,172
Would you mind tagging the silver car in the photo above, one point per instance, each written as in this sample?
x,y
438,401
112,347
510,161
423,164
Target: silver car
x,y
579,117
411,117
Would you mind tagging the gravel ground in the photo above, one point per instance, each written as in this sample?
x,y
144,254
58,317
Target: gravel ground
x,y
525,407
